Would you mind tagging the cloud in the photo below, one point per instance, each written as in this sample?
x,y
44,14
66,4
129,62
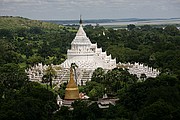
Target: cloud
x,y
92,3
98,8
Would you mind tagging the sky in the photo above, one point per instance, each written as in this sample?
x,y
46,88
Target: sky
x,y
90,9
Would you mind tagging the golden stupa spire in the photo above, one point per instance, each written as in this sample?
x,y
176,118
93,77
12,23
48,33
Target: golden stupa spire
x,y
72,91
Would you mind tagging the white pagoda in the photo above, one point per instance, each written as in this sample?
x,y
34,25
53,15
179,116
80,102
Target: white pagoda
x,y
86,55
88,58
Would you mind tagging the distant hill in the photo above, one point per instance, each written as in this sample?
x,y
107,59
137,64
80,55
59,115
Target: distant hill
x,y
126,21
9,22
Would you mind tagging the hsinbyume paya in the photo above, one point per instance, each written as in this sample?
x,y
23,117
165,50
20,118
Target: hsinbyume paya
x,y
86,55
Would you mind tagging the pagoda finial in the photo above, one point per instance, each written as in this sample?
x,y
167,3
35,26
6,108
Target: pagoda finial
x,y
80,21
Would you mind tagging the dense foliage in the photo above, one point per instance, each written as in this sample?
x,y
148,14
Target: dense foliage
x,y
112,81
155,98
31,42
28,42
21,99
156,47
25,42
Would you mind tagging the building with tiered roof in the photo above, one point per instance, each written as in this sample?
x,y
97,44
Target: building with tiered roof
x,y
86,55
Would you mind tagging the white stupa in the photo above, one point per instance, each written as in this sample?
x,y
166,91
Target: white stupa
x,y
86,55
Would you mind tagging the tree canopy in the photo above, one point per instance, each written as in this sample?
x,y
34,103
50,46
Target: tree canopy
x,y
25,42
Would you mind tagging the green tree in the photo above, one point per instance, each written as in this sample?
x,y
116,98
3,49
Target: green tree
x,y
12,76
118,79
94,89
98,75
158,111
34,59
94,111
146,27
131,26
63,114
31,101
80,111
171,30
61,90
6,33
49,74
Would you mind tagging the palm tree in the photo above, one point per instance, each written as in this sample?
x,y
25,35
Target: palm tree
x,y
48,76
45,80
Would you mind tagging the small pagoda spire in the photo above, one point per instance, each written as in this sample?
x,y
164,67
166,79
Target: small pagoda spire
x,y
72,91
80,21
